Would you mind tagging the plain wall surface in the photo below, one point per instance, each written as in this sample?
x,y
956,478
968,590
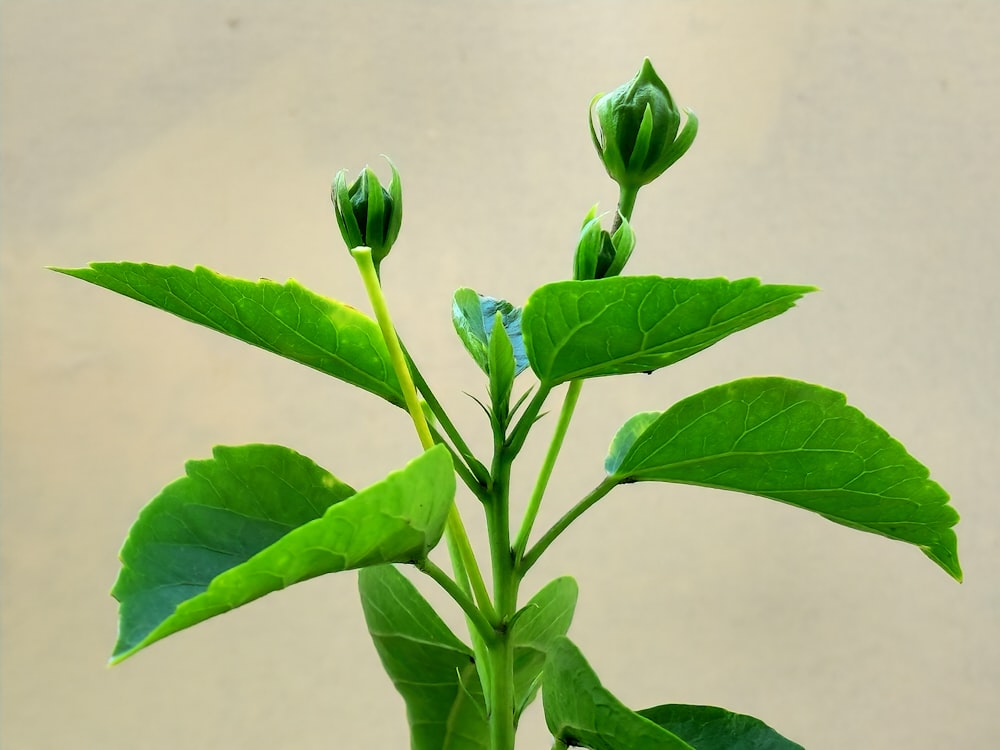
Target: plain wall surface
x,y
853,146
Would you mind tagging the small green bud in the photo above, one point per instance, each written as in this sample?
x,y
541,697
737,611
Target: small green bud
x,y
368,215
600,254
639,125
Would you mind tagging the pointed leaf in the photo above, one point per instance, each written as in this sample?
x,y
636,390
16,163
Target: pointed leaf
x,y
799,444
255,519
629,324
581,713
286,319
432,669
473,315
711,728
546,616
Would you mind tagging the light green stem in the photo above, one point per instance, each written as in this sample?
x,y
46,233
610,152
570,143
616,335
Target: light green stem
x,y
457,537
531,557
476,618
565,415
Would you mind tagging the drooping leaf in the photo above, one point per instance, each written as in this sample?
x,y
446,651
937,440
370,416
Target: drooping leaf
x,y
546,616
473,315
799,444
629,324
580,712
432,669
435,672
711,728
256,519
286,319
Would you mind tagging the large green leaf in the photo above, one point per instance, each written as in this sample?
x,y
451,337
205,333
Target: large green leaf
x,y
711,728
628,324
286,319
800,444
580,712
257,518
546,616
432,669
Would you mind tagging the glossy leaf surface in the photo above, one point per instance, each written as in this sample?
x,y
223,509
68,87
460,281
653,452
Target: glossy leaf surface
x,y
286,319
629,324
258,518
800,444
580,712
432,669
546,616
711,728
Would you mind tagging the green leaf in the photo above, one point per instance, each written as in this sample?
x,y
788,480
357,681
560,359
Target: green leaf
x,y
435,672
581,713
629,324
432,669
501,370
799,444
255,519
286,319
711,728
473,316
546,616
626,436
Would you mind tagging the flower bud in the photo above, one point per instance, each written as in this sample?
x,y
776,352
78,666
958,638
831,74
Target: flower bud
x,y
367,213
639,125
600,254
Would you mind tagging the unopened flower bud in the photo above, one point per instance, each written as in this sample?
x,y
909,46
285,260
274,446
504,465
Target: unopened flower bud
x,y
639,125
600,254
368,215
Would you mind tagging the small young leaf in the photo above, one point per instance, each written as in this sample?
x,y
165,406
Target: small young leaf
x,y
432,669
286,319
546,616
711,728
473,316
581,713
799,444
629,324
255,519
501,370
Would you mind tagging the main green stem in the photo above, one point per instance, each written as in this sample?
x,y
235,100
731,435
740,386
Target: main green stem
x,y
457,538
505,585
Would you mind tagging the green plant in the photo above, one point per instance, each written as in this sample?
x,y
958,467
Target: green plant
x,y
256,518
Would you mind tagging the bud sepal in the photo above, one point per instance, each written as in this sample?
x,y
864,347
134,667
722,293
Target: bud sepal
x,y
368,214
638,136
599,253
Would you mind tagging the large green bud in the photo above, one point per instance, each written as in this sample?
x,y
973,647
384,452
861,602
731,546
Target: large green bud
x,y
639,123
600,254
367,213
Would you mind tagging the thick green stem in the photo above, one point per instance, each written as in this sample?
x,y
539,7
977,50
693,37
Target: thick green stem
x,y
562,426
457,538
531,557
501,713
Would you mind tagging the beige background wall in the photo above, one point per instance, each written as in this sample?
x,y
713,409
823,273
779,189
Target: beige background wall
x,y
849,145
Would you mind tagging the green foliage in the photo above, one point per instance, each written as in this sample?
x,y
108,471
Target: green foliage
x,y
799,444
285,319
257,518
711,728
627,324
580,712
436,673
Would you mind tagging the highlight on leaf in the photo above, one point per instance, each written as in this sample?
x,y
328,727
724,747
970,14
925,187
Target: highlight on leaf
x,y
800,444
